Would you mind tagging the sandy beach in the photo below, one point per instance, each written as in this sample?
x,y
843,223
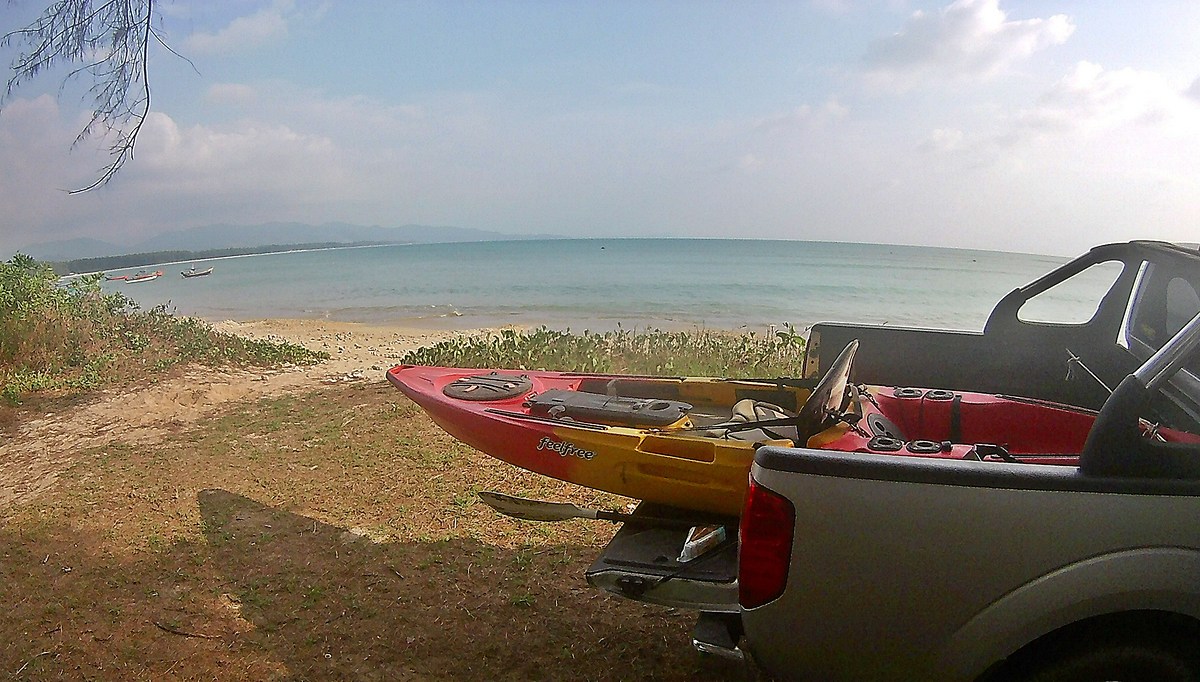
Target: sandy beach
x,y
354,348
43,447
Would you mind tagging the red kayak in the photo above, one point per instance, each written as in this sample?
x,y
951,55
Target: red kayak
x,y
642,437
688,442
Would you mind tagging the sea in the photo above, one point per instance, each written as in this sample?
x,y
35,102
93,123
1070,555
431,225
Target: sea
x,y
603,284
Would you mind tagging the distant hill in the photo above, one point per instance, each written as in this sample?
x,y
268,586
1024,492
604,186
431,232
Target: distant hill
x,y
229,236
134,260
212,237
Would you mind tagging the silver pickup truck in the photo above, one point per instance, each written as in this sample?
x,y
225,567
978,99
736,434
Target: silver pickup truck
x,y
1021,503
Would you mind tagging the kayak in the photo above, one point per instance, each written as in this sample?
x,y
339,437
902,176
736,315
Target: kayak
x,y
677,441
688,442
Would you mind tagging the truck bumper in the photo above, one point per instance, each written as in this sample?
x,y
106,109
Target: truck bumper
x,y
719,634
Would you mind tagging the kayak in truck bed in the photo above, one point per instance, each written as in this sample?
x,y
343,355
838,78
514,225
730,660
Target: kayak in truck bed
x,y
669,440
688,443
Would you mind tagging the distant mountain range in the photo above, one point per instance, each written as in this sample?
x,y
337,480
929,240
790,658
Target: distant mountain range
x,y
210,237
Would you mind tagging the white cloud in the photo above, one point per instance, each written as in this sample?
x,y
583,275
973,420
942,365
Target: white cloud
x,y
804,116
943,140
1091,100
363,114
22,120
37,169
831,6
967,39
749,163
1194,91
180,176
230,93
247,159
267,25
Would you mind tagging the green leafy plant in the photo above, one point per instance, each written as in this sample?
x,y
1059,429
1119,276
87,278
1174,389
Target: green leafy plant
x,y
65,336
695,352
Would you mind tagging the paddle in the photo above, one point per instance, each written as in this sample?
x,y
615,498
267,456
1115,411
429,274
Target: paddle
x,y
540,510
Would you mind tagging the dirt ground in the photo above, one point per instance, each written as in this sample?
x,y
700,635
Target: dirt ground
x,y
304,523
43,446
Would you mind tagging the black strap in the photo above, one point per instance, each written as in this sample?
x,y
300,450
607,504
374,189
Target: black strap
x,y
956,419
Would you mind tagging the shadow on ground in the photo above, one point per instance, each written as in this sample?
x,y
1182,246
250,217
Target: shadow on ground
x,y
329,603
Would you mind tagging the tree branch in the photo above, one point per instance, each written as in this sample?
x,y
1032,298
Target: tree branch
x,y
109,42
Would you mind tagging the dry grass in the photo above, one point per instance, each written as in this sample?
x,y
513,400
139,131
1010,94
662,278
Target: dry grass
x,y
330,535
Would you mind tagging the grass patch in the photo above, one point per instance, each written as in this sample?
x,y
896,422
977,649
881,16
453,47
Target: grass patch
x,y
66,337
262,564
700,352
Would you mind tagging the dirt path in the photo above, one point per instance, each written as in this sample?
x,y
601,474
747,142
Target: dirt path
x,y
42,448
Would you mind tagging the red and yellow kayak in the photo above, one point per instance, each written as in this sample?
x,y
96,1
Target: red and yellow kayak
x,y
689,442
642,437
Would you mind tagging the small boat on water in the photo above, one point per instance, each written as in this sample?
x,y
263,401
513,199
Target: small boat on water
x,y
193,272
115,278
143,276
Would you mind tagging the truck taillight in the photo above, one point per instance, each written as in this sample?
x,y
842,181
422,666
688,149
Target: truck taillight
x,y
765,550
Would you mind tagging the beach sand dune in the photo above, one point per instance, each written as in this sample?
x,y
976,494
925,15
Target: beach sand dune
x,y
42,448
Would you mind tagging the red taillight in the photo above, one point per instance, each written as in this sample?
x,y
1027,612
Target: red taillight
x,y
768,521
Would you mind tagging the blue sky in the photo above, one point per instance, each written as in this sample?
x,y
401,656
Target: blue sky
x,y
1028,126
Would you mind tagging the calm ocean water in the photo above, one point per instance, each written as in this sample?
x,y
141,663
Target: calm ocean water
x,y
598,284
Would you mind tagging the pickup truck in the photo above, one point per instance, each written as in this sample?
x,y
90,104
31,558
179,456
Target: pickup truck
x,y
965,559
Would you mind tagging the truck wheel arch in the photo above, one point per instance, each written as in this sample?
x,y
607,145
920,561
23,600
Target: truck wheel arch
x,y
1154,645
1151,584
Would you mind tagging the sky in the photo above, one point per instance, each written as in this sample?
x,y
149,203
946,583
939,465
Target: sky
x,y
1040,127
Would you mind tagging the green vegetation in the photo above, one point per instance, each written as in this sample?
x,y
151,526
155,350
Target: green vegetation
x,y
137,260
58,337
700,352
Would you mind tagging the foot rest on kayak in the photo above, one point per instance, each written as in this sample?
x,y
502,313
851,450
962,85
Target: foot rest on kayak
x,y
607,409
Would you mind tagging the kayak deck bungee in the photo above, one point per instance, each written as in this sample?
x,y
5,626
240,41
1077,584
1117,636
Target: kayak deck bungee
x,y
642,437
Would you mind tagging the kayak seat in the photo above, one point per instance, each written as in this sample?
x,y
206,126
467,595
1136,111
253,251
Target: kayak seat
x,y
750,410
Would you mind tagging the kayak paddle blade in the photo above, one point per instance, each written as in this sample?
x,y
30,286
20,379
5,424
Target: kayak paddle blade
x,y
534,510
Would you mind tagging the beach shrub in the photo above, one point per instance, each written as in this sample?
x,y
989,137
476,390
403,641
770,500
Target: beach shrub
x,y
65,336
699,352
